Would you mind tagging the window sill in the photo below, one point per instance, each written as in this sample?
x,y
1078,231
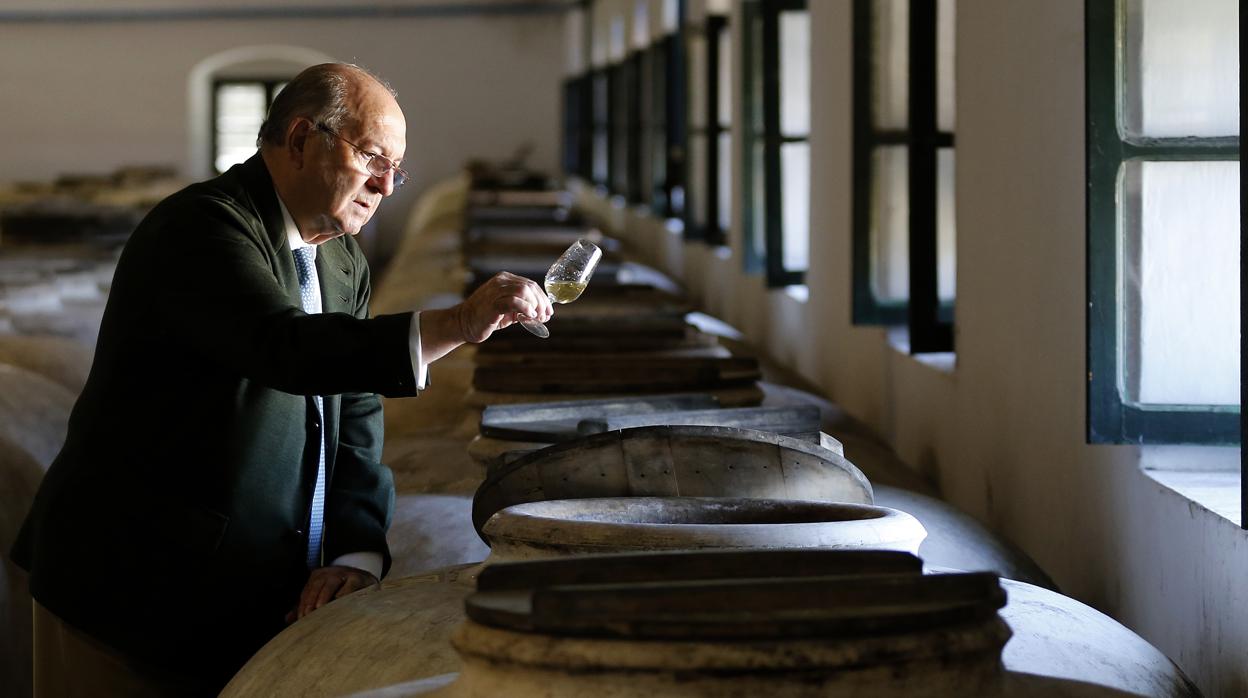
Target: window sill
x,y
1209,476
798,292
943,361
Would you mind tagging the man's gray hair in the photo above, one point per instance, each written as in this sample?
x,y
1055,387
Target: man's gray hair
x,y
318,94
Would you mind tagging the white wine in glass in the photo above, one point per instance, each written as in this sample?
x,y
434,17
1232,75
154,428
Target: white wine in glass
x,y
567,278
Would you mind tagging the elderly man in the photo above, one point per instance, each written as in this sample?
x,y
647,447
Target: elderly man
x,y
221,474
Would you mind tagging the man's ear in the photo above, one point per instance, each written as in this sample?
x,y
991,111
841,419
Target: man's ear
x,y
297,135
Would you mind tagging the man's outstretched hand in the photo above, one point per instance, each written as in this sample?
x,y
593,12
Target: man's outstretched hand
x,y
503,300
329,583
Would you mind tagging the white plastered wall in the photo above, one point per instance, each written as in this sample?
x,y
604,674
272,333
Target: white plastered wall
x,y
91,96
1002,432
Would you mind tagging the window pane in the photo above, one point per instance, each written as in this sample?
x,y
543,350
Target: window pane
x,y
725,181
795,204
617,39
946,64
619,142
671,15
658,86
697,178
658,155
758,188
600,155
645,152
599,169
697,81
641,24
890,242
890,74
600,99
794,73
946,226
755,57
240,111
1183,68
1181,277
725,77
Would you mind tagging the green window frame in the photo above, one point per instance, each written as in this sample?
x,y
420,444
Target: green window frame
x,y
709,229
654,121
603,131
928,318
761,177
1111,417
617,178
271,86
577,126
634,129
668,134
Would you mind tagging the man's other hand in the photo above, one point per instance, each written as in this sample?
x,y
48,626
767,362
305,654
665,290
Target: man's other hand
x,y
329,583
499,302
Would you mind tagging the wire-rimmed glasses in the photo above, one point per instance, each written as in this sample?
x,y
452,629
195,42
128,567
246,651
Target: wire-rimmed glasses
x,y
378,165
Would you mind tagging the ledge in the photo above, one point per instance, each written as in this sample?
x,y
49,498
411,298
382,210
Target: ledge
x,y
943,361
1208,476
798,292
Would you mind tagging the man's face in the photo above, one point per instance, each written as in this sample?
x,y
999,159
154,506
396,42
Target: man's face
x,y
342,193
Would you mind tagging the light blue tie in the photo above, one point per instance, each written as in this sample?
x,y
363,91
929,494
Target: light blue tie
x,y
310,293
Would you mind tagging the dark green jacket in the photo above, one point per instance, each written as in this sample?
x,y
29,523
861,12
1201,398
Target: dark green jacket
x,y
172,524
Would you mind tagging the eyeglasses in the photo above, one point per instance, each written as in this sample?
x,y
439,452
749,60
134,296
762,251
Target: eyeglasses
x,y
377,165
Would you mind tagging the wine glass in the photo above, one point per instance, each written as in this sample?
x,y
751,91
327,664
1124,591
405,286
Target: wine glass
x,y
567,278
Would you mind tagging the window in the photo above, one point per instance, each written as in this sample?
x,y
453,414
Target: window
x,y
904,237
709,212
1164,235
777,155
632,187
602,130
577,128
667,127
238,109
617,86
674,104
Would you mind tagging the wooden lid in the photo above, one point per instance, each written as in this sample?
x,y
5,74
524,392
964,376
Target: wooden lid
x,y
689,461
726,596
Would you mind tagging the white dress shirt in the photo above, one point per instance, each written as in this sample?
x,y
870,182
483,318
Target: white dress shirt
x,y
370,562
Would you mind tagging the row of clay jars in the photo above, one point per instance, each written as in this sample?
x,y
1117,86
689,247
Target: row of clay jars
x,y
818,473
401,631
39,378
399,635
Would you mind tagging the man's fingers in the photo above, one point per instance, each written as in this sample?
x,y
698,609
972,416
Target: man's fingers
x,y
354,583
331,586
318,591
325,585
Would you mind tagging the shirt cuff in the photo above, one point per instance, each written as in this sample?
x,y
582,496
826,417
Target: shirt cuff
x,y
419,370
369,562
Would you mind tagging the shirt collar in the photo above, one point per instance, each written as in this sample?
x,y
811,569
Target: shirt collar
x,y
293,239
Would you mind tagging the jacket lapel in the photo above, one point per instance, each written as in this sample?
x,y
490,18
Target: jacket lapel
x,y
334,268
259,188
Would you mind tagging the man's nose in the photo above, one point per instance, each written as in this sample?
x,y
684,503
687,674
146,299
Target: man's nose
x,y
384,184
